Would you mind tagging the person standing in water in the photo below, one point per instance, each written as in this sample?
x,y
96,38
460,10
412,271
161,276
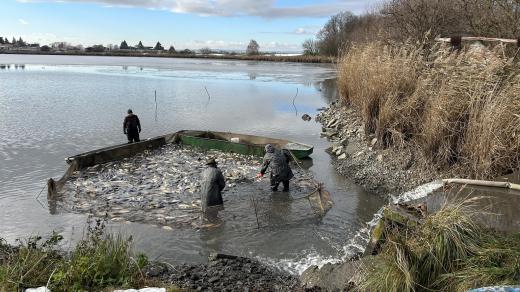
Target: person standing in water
x,y
132,127
278,162
213,183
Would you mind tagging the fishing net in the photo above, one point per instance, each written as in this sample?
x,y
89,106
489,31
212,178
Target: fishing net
x,y
320,201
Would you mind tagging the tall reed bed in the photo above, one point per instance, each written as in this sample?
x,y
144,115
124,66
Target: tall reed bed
x,y
460,108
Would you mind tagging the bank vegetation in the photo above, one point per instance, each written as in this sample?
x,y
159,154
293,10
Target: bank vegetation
x,y
457,108
99,262
448,251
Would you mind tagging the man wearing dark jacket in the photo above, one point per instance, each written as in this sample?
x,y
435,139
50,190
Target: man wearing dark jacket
x,y
212,185
132,127
278,162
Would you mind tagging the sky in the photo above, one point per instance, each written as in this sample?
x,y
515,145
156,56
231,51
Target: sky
x,y
277,25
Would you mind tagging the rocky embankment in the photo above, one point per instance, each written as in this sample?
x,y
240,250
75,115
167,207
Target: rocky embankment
x,y
359,157
226,273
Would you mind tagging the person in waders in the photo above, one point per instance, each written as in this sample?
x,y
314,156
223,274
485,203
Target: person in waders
x,y
212,185
278,162
132,127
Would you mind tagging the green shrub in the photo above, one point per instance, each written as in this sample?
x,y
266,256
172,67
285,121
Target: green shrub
x,y
98,261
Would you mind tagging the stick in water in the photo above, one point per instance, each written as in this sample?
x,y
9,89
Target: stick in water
x,y
256,212
209,97
155,94
294,98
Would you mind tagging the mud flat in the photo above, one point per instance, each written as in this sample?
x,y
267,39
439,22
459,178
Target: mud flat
x,y
358,157
162,187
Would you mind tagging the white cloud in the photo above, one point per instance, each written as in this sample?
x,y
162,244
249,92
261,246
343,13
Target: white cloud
x,y
226,8
236,45
23,22
307,30
304,30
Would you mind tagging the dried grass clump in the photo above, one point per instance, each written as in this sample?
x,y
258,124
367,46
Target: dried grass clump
x,y
379,79
447,252
462,109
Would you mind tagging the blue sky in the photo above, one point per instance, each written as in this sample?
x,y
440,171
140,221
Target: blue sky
x,y
277,25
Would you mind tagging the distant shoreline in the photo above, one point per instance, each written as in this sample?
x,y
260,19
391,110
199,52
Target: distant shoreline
x,y
268,58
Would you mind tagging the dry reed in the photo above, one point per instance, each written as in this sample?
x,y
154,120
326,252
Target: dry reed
x,y
462,108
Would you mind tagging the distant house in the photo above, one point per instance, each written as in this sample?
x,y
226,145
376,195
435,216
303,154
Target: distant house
x,y
96,49
130,48
6,47
29,48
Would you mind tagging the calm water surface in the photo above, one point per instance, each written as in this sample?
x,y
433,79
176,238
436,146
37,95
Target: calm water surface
x,y
52,107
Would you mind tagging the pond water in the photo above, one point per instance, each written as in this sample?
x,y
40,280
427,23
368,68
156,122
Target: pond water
x,y
52,107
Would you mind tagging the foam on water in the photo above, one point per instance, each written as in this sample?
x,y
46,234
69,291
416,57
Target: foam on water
x,y
358,242
298,266
417,193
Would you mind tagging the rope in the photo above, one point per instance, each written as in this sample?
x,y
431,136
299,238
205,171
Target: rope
x,y
317,185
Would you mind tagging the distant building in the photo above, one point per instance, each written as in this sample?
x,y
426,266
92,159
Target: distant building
x,y
28,48
6,47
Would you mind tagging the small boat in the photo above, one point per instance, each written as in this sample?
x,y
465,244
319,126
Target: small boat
x,y
227,142
240,143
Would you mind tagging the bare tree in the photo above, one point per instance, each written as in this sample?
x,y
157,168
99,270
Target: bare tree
x,y
205,51
253,48
310,47
345,28
500,18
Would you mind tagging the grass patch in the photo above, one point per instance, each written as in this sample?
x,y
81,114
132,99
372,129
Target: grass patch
x,y
98,261
460,109
447,252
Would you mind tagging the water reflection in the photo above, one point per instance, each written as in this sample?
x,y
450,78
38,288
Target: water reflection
x,y
328,89
252,98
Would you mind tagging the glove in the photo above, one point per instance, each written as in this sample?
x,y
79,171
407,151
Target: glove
x,y
259,175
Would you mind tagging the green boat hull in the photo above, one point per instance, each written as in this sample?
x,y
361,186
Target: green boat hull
x,y
251,145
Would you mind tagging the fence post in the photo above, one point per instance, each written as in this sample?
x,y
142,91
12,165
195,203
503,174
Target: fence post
x,y
456,42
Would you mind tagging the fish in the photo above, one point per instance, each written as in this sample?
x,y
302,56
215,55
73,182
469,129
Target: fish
x,y
158,186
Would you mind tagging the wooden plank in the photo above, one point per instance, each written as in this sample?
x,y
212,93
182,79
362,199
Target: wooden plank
x,y
484,39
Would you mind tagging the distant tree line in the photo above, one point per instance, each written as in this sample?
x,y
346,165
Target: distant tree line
x,y
19,43
253,48
422,20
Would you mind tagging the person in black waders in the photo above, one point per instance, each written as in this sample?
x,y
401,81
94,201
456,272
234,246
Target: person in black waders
x,y
278,162
132,127
213,183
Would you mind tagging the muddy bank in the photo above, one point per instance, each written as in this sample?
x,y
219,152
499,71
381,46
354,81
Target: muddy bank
x,y
226,273
358,156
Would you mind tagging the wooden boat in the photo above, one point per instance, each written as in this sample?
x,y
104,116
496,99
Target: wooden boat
x,y
228,142
240,143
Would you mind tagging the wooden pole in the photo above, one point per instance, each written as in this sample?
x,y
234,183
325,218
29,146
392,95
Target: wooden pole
x,y
456,42
256,212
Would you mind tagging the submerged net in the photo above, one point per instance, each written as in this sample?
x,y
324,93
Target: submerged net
x,y
162,187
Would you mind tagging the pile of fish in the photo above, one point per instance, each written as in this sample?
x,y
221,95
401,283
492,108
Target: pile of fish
x,y
160,187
